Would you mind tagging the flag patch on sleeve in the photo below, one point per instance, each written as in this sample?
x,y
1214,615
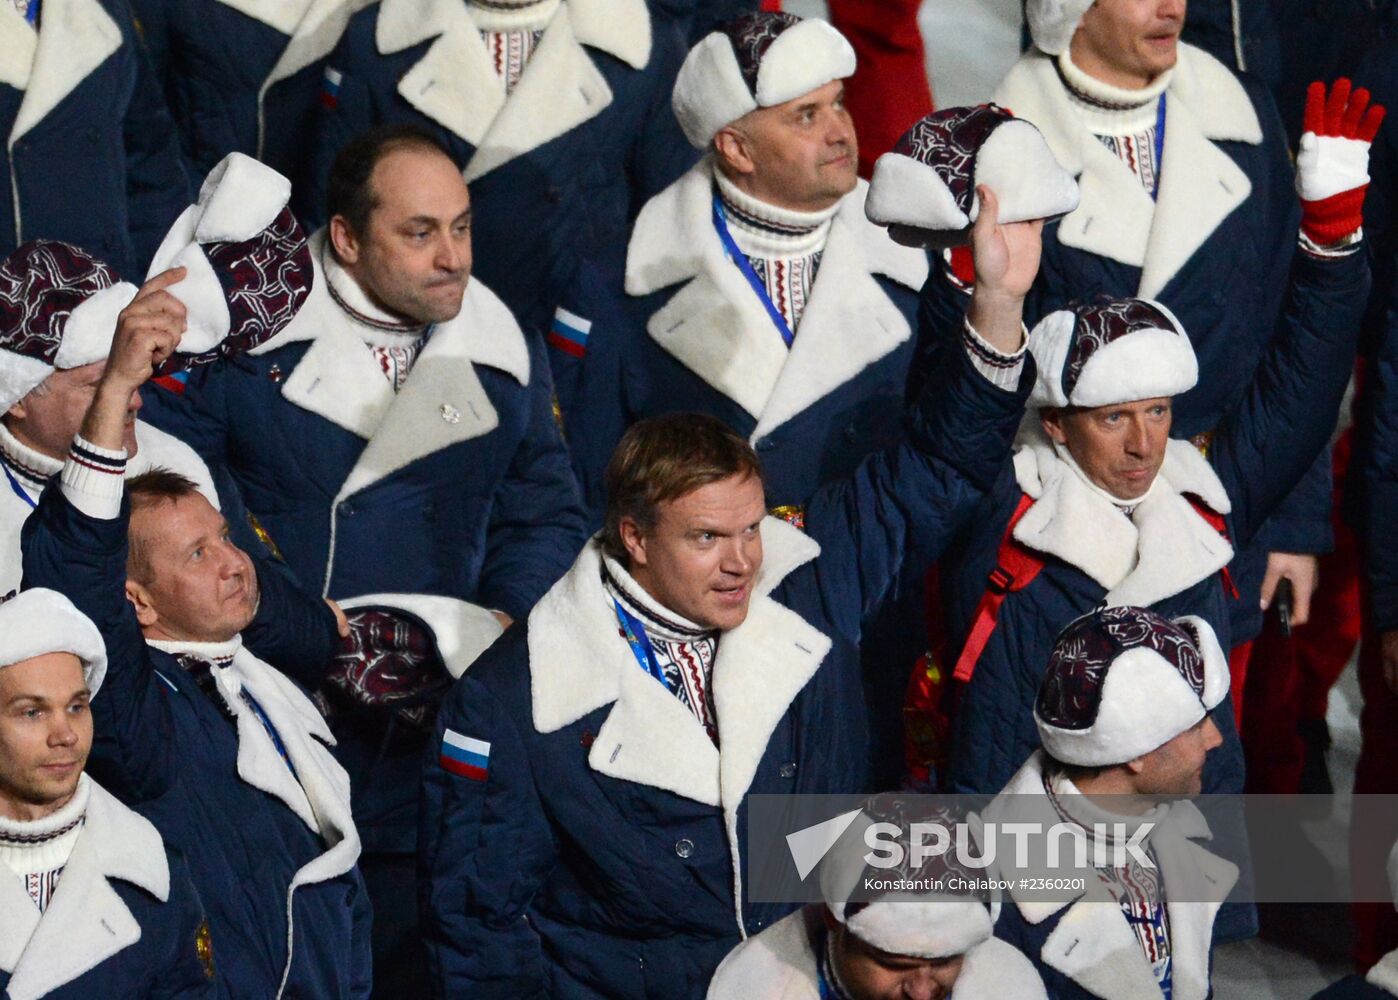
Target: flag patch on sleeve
x,y
569,333
330,88
464,756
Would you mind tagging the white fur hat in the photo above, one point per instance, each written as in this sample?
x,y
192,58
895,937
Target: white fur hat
x,y
58,310
1110,351
924,189
1052,22
919,924
36,622
1123,681
756,61
248,265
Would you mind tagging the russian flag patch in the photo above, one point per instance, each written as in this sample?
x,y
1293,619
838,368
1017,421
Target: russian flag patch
x,y
464,756
330,88
175,383
569,333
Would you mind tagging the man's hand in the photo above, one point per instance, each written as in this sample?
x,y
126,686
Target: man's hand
x,y
1390,659
1007,261
342,625
1304,573
505,620
148,331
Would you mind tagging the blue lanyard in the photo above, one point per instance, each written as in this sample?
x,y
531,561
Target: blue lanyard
x,y
731,251
32,14
1159,144
639,642
14,485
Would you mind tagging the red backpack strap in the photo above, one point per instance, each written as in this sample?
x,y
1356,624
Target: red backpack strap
x,y
1015,568
1219,523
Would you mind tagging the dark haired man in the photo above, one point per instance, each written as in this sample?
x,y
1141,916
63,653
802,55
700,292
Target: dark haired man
x,y
226,756
583,824
398,436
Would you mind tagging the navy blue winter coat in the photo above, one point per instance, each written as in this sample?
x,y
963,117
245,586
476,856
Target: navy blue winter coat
x,y
165,747
1217,250
557,176
242,75
125,922
91,155
459,485
692,336
600,850
1261,449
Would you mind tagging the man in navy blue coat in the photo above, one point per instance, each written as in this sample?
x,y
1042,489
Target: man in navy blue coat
x,y
398,436
242,76
226,756
92,901
584,820
91,155
557,111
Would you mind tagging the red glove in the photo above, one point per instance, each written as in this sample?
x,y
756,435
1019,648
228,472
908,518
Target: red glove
x,y
1332,169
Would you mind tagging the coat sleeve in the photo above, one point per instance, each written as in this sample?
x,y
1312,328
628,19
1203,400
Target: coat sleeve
x,y
485,848
157,186
361,982
197,415
1380,474
186,974
660,153
353,110
537,523
1266,444
84,558
902,506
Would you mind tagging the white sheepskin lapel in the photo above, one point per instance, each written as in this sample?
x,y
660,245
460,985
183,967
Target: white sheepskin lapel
x,y
17,44
1200,185
1163,549
778,964
284,15
994,970
86,922
75,37
1210,878
1384,973
316,27
453,83
717,327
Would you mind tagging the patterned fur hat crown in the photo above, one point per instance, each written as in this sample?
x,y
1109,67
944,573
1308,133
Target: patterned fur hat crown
x,y
1110,351
1123,681
924,189
58,309
756,61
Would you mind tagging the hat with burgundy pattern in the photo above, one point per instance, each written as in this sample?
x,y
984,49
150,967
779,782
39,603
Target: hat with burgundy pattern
x,y
924,189
1123,681
1110,351
58,310
755,61
248,265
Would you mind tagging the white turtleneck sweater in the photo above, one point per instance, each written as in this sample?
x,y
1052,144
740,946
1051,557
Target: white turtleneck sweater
x,y
783,246
684,651
1125,121
395,343
23,467
38,851
511,30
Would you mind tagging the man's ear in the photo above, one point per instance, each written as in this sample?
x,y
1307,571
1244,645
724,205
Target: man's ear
x,y
17,409
633,539
731,147
343,241
140,600
1051,419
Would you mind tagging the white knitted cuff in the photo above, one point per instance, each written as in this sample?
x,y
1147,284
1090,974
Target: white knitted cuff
x,y
1003,370
1343,248
93,479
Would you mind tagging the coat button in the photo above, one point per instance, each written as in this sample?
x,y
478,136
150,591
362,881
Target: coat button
x,y
346,509
787,770
684,847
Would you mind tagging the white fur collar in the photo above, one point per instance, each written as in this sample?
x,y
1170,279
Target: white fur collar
x,y
1092,943
1200,185
1164,548
1384,973
578,663
75,37
443,401
455,85
717,328
86,923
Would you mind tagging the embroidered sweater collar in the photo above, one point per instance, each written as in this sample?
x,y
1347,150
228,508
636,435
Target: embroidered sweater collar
x,y
1109,110
499,16
217,654
660,621
764,230
1096,821
372,324
45,844
32,468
